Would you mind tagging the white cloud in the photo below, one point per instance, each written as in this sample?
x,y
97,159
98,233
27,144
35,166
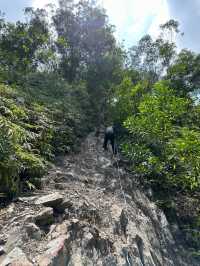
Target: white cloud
x,y
134,18
42,3
161,17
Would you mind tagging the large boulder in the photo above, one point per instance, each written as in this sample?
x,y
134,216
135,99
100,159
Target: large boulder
x,y
16,258
52,200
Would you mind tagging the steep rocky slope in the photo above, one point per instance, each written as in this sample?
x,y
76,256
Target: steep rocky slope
x,y
89,212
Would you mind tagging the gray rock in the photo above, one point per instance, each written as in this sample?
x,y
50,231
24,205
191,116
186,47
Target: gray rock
x,y
59,173
14,239
2,251
52,200
103,244
60,186
111,261
2,240
33,231
16,258
65,177
29,219
27,199
124,221
65,204
20,100
57,253
44,181
44,217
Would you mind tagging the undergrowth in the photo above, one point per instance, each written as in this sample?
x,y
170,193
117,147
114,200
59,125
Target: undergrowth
x,y
38,120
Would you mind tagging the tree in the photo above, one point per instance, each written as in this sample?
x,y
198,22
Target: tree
x,y
153,57
19,43
169,30
88,49
184,74
85,36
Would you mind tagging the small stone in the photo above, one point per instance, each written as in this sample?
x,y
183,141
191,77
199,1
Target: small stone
x,y
69,176
33,231
2,251
20,100
64,177
11,208
60,186
29,219
75,221
45,217
54,235
59,173
26,199
2,240
62,228
87,240
52,229
103,244
45,181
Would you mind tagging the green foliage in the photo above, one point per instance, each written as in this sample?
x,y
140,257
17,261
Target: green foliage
x,y
184,152
84,37
159,147
19,43
184,73
126,97
38,121
58,85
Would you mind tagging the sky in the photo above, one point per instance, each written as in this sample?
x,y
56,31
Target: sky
x,y
134,18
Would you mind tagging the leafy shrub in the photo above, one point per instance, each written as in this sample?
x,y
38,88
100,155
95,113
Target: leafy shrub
x,y
44,118
161,147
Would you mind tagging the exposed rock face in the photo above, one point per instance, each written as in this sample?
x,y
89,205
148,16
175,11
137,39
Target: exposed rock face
x,y
16,258
56,253
89,220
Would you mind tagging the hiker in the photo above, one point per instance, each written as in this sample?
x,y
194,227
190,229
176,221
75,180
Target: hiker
x,y
110,137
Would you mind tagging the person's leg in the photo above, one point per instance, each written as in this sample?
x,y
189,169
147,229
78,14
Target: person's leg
x,y
115,148
113,145
105,142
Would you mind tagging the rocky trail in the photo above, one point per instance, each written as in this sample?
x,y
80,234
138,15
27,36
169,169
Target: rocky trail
x,y
82,216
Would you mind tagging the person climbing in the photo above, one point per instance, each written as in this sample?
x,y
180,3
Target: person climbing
x,y
109,136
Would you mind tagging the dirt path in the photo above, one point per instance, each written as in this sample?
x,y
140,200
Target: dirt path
x,y
82,216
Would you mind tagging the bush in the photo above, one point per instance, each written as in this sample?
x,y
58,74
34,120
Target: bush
x,y
38,121
161,147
